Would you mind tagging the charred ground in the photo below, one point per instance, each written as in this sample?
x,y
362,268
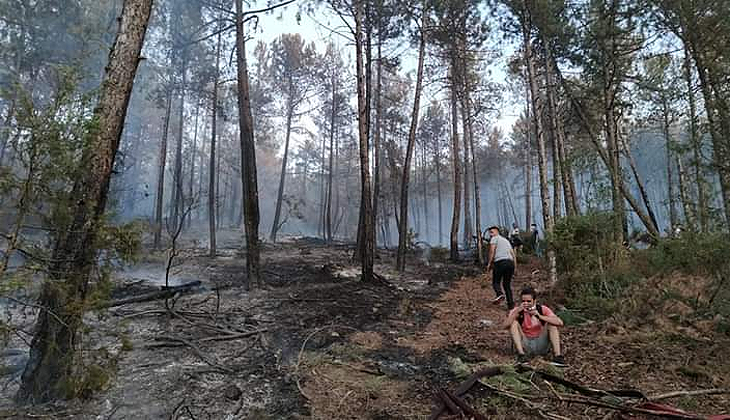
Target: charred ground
x,y
318,343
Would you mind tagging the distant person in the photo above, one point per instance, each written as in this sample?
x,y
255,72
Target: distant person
x,y
534,238
501,260
514,237
534,329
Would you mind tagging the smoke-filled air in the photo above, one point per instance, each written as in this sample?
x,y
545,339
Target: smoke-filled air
x,y
364,209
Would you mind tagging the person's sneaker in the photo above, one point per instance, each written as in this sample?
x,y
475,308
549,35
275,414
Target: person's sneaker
x,y
558,361
522,358
498,299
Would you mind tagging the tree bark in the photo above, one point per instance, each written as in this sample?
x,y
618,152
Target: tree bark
x,y
282,178
640,184
378,126
366,250
193,152
161,172
477,202
403,230
437,164
696,142
248,158
673,220
212,165
333,119
177,200
50,369
548,221
455,153
528,158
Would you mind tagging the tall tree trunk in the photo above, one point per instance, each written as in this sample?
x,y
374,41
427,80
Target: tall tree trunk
x,y
719,146
366,250
248,157
578,108
378,126
477,201
403,230
673,219
161,172
437,159
696,142
689,214
528,160
548,221
282,178
552,130
330,174
468,228
50,367
424,191
560,159
212,205
455,153
193,152
178,199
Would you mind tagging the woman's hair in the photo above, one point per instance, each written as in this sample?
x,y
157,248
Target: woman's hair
x,y
529,290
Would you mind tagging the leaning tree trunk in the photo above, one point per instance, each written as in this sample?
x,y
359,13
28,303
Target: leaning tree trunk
x,y
248,157
578,108
282,178
366,236
548,221
50,371
639,183
161,172
403,230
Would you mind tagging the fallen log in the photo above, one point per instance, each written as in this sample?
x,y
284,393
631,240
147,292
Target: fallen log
x,y
466,408
163,293
465,386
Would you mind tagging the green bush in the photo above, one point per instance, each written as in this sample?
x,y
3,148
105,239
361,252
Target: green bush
x,y
690,253
593,269
585,244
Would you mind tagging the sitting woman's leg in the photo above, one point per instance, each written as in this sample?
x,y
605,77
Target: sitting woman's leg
x,y
554,339
516,334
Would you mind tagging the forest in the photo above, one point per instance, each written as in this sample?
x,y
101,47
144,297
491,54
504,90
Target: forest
x,y
302,209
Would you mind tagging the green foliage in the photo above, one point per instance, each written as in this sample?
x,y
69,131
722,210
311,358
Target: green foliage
x,y
690,253
585,243
593,273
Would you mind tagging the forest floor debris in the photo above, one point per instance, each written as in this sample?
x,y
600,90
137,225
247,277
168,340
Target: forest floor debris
x,y
318,343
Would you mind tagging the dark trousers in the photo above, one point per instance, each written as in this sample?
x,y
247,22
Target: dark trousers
x,y
502,278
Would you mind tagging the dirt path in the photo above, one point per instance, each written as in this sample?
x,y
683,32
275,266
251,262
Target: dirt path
x,y
317,343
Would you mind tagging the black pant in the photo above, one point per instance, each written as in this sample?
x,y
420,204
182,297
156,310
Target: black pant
x,y
502,278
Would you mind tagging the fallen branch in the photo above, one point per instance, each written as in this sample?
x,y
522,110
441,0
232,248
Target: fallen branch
x,y
603,404
448,402
591,392
163,293
195,350
465,386
673,394
470,412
